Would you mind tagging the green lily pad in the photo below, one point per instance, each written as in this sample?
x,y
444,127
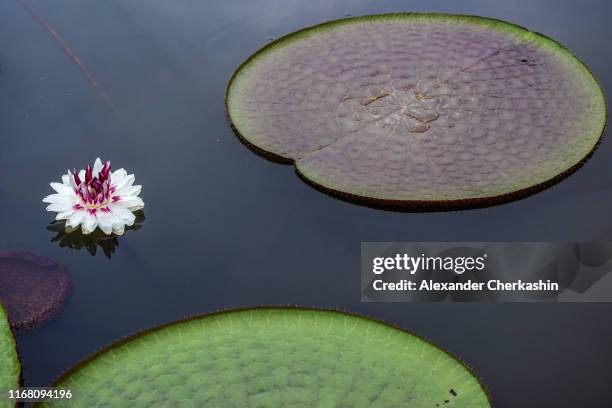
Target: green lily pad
x,y
274,357
420,109
10,369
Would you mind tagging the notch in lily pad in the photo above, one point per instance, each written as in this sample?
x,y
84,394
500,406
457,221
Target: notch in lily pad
x,y
420,110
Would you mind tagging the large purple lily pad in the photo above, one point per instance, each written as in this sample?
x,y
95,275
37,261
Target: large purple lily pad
x,y
420,109
32,288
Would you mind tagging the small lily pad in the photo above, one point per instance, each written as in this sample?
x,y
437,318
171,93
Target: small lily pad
x,y
420,109
274,357
10,369
32,288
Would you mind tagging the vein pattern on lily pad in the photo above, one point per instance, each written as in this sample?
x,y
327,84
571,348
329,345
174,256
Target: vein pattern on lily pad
x,y
274,357
420,108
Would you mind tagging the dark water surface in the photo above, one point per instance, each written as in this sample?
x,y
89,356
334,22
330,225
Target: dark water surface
x,y
226,228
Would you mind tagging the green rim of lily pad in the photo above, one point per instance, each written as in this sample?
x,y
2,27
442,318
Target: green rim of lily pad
x,y
547,135
274,357
10,368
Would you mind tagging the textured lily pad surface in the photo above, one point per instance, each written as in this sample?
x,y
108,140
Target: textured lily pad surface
x,y
420,108
10,369
274,357
32,288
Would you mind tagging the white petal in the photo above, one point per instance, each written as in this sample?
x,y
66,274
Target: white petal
x,y
61,206
118,174
62,189
64,215
82,175
60,202
71,182
123,213
106,221
132,203
89,224
53,198
76,218
124,182
106,226
119,228
97,167
66,180
128,191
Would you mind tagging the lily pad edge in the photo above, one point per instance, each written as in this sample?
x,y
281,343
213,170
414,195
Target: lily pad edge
x,y
48,314
66,374
419,205
4,315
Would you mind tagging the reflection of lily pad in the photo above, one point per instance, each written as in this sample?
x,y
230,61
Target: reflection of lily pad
x,y
274,357
10,369
31,288
420,109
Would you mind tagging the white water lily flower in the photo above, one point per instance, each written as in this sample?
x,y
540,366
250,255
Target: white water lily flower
x,y
95,198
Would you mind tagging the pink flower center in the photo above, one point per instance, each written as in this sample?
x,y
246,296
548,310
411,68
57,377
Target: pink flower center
x,y
94,191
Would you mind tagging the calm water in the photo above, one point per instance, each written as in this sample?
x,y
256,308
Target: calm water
x,y
226,228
